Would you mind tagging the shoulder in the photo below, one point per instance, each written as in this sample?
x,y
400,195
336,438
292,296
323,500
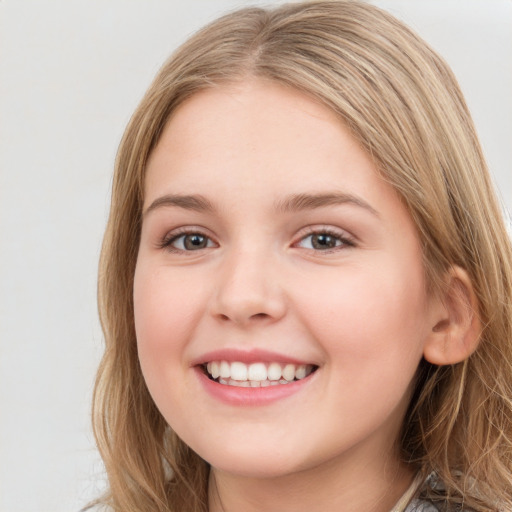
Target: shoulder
x,y
418,505
432,487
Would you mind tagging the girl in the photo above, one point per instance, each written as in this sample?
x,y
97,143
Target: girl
x,y
305,281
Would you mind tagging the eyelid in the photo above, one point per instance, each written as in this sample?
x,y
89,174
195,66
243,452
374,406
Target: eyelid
x,y
346,238
166,241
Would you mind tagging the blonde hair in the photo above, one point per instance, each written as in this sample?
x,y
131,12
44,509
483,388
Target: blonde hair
x,y
403,104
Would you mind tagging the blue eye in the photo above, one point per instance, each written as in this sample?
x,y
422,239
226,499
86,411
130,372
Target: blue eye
x,y
323,241
189,242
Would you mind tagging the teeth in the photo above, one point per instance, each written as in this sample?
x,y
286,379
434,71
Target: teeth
x,y
238,371
257,371
289,372
224,370
274,371
256,374
300,372
214,369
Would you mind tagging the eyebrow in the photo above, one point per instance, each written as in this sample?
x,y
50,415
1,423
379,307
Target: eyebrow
x,y
188,202
300,202
293,203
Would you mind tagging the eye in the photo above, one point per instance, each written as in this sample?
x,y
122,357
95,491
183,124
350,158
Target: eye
x,y
188,242
324,241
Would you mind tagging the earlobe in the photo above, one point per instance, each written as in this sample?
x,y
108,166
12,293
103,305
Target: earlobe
x,y
455,323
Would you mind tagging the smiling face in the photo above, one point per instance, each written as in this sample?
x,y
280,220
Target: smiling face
x,y
280,302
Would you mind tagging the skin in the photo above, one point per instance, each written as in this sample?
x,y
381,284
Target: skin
x,y
358,311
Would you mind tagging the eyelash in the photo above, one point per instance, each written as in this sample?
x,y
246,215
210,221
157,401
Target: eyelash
x,y
343,239
168,241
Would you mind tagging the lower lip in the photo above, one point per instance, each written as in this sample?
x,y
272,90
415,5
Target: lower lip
x,y
250,397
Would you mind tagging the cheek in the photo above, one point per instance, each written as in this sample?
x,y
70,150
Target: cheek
x,y
165,309
366,315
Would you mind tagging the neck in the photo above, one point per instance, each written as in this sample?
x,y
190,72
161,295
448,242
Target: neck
x,y
334,487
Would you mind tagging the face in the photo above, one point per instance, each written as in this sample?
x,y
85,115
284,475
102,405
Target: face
x,y
280,302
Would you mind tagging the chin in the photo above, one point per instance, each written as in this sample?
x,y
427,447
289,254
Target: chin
x,y
258,462
261,470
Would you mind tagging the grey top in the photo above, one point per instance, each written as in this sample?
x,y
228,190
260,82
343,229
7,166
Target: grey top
x,y
411,500
417,505
416,494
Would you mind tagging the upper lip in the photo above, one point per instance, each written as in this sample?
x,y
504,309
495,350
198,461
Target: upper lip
x,y
246,356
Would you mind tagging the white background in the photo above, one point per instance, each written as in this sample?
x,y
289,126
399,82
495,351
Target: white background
x,y
71,73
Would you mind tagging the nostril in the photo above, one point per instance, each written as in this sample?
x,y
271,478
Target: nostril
x,y
256,317
260,315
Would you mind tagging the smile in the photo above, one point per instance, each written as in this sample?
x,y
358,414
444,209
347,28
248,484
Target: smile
x,y
257,374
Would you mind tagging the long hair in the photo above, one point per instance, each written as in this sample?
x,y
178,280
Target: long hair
x,y
402,103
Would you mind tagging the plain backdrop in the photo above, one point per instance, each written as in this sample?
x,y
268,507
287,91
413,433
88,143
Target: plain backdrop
x,y
71,73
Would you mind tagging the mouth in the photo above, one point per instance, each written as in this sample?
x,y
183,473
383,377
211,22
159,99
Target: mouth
x,y
257,374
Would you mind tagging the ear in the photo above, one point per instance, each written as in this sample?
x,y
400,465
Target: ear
x,y
455,322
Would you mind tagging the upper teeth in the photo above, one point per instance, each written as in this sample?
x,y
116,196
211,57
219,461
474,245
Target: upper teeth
x,y
257,372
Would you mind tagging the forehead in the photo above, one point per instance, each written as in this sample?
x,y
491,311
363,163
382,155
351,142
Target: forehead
x,y
259,133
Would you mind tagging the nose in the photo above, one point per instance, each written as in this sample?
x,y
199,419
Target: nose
x,y
248,291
